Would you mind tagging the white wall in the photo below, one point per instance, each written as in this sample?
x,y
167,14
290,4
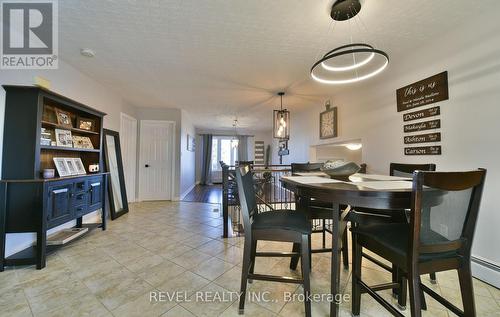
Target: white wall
x,y
73,84
187,177
469,118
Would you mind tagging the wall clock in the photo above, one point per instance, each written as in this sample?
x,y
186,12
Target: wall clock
x,y
328,123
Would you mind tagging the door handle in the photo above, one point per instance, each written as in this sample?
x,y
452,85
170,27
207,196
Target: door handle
x,y
147,165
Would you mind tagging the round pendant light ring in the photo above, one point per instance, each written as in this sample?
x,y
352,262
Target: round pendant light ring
x,y
350,67
334,54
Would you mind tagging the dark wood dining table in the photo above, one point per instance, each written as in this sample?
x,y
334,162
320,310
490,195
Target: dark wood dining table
x,y
361,190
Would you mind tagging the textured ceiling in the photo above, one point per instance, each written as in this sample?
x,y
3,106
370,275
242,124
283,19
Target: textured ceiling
x,y
219,59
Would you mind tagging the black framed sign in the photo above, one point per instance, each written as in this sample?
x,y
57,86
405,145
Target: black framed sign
x,y
421,126
423,150
423,138
328,123
430,90
420,114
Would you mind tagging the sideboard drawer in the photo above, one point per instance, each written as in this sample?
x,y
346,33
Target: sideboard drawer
x,y
80,210
80,186
79,199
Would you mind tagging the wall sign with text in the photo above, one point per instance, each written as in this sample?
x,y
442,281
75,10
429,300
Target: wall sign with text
x,y
423,92
423,150
423,138
421,126
420,114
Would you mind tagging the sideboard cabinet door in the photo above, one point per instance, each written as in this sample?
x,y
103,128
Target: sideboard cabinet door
x,y
59,204
95,193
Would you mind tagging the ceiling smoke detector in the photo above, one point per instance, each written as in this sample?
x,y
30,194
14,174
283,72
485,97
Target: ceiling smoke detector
x,y
87,52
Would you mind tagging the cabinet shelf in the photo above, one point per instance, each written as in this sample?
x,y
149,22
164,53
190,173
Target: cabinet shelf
x,y
73,149
55,125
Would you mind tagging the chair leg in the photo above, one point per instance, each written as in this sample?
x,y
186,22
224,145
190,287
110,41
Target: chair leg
x,y
396,278
403,284
309,246
422,296
345,250
467,289
433,278
247,258
305,253
324,233
415,295
295,259
356,275
252,257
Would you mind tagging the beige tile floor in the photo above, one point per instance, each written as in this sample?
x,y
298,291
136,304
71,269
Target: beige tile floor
x,y
163,246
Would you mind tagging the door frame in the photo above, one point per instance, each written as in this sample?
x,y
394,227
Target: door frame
x,y
173,158
131,196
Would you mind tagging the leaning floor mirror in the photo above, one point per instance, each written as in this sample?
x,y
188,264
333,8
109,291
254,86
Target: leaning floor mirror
x,y
113,158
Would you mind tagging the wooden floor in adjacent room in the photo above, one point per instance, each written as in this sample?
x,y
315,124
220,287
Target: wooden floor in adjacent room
x,y
211,194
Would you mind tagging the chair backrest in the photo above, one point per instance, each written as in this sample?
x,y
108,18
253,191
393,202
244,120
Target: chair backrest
x,y
406,170
362,169
306,167
445,206
246,191
243,163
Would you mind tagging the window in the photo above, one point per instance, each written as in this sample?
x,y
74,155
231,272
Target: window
x,y
222,151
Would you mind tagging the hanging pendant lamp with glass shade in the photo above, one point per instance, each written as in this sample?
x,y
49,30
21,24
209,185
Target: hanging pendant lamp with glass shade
x,y
234,140
281,121
352,62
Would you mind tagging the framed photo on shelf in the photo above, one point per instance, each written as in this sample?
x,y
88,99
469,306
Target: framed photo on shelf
x,y
85,124
82,142
80,169
61,166
63,118
63,138
71,166
328,123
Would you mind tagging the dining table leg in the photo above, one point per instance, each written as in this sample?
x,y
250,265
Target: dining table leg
x,y
335,263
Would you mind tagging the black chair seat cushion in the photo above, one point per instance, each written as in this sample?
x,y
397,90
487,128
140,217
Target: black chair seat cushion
x,y
393,237
281,219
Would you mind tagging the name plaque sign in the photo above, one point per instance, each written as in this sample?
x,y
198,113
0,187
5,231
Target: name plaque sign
x,y
421,126
423,138
423,150
420,114
423,92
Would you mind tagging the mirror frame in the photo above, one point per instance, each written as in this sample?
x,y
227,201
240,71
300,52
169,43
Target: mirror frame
x,y
115,214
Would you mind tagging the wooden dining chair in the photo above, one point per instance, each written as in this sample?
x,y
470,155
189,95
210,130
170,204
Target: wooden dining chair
x,y
444,210
320,212
367,215
282,226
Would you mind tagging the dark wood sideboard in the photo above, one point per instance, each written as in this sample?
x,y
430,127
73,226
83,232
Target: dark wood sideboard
x,y
30,203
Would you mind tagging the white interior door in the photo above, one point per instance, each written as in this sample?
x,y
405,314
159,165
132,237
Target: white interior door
x,y
128,136
156,160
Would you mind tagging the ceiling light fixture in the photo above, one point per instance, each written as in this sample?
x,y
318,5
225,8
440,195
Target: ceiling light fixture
x,y
234,140
281,121
360,61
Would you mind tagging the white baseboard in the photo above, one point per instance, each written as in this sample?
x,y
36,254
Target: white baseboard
x,y
486,271
184,194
